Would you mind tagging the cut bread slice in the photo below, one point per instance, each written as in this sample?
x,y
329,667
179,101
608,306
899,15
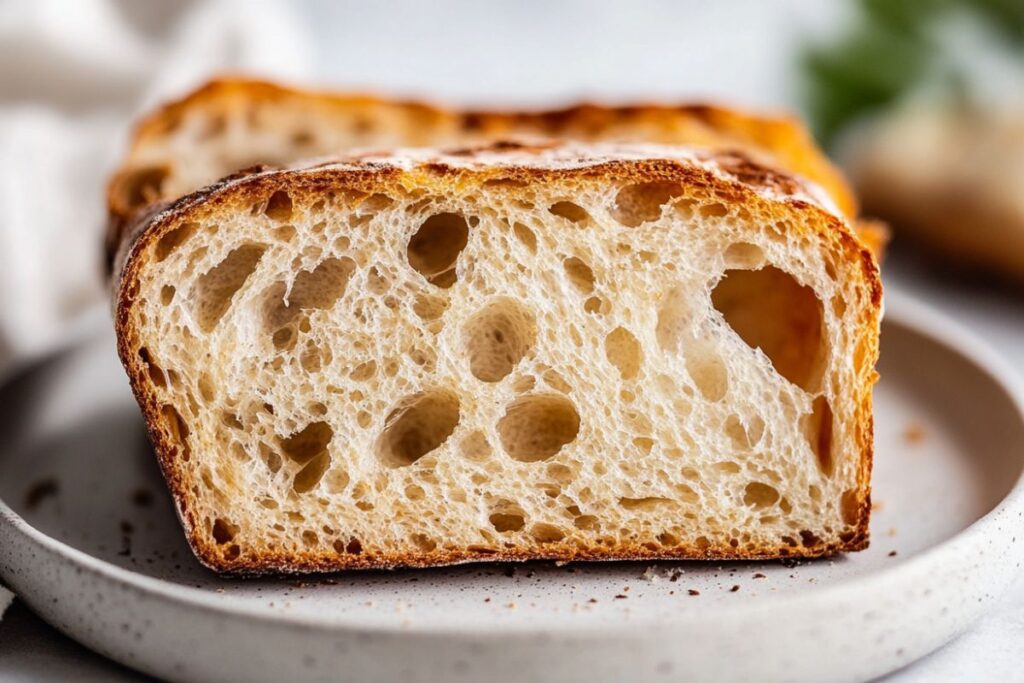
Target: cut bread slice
x,y
506,353
232,124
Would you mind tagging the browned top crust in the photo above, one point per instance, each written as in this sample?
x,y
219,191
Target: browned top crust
x,y
780,141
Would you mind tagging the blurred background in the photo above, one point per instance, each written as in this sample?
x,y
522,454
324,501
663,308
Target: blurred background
x,y
921,101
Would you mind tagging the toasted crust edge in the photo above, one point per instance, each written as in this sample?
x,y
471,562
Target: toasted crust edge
x,y
253,184
784,135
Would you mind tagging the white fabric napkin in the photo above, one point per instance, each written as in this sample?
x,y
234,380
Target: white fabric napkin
x,y
73,74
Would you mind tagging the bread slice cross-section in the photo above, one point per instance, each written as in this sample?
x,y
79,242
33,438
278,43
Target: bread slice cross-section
x,y
232,124
506,353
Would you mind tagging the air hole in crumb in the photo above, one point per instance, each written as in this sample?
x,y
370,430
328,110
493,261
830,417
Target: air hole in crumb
x,y
715,210
435,248
156,374
376,202
850,507
760,495
363,371
818,428
536,427
594,305
507,516
417,426
167,294
554,380
173,239
429,307
570,211
524,384
546,533
708,372
497,337
580,274
424,543
526,236
771,311
744,435
743,255
674,315
279,207
215,289
645,503
377,283
475,446
624,352
284,233
643,202
809,538
178,430
223,531
503,522
316,289
337,480
308,443
311,473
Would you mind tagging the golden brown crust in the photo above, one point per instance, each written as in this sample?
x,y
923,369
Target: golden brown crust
x,y
758,185
780,141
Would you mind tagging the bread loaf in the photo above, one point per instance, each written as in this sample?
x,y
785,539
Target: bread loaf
x,y
232,124
506,353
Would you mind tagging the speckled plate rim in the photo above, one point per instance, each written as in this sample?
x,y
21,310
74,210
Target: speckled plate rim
x,y
945,558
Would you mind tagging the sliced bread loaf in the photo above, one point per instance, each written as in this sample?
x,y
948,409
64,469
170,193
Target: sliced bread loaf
x,y
505,353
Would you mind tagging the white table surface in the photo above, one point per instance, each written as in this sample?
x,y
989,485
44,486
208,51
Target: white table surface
x,y
557,50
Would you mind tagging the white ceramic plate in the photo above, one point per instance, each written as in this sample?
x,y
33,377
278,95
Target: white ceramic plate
x,y
89,539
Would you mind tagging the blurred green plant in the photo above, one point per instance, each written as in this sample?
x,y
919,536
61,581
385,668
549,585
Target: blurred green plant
x,y
891,48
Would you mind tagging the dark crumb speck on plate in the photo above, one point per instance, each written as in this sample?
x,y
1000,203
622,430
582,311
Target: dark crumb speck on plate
x,y
734,588
620,596
40,491
892,553
759,575
142,498
693,591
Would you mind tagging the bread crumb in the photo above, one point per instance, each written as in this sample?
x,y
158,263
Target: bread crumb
x,y
142,498
620,596
693,592
914,433
40,491
734,588
759,575
892,553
